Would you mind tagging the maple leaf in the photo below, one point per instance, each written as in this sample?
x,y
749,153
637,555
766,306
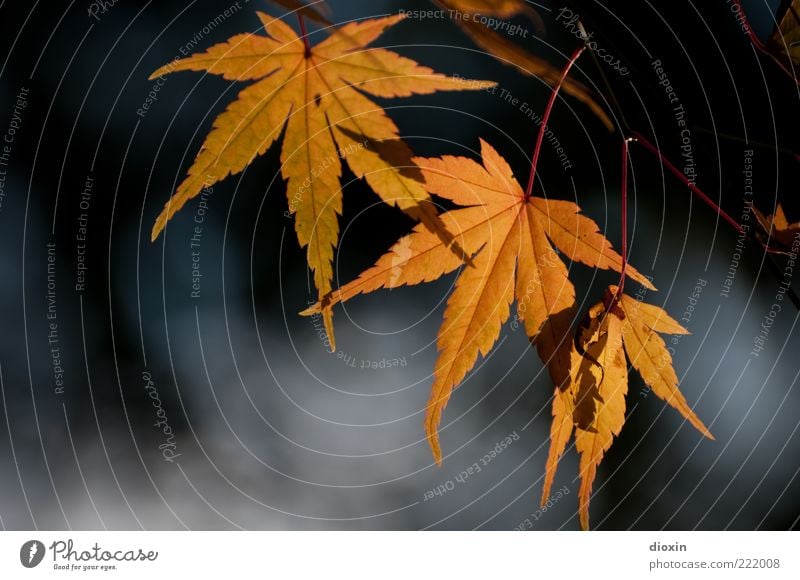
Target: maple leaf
x,y
511,53
319,94
600,383
511,238
787,36
778,228
613,328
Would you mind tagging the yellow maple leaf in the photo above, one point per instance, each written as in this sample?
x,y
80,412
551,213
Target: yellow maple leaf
x,y
511,238
600,383
319,94
787,35
613,328
649,355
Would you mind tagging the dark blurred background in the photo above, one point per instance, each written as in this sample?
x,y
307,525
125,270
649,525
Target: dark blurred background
x,y
271,431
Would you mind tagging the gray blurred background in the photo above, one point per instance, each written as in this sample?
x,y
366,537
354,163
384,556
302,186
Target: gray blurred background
x,y
272,431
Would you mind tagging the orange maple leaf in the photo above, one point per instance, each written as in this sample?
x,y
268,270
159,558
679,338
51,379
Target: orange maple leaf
x,y
511,237
319,93
786,37
778,228
594,403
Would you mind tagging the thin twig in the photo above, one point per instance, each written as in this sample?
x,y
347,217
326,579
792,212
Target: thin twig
x,y
749,143
624,200
699,193
758,44
679,174
770,251
615,105
545,117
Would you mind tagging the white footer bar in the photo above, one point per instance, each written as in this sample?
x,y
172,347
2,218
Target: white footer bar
x,y
406,555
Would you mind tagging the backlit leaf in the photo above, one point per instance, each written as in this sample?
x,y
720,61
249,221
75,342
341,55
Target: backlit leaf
x,y
510,237
319,94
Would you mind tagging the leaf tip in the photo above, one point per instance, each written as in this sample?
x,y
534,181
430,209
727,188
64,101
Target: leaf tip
x,y
156,231
311,310
584,518
645,281
437,453
698,424
327,319
431,430
436,449
545,493
583,498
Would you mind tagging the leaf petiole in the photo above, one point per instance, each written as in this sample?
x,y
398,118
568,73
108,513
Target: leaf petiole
x,y
624,211
304,34
545,117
